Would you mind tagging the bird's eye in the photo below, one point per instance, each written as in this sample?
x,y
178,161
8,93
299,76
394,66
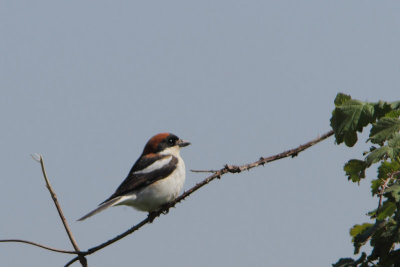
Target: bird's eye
x,y
171,141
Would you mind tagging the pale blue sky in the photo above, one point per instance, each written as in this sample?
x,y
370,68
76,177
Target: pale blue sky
x,y
87,83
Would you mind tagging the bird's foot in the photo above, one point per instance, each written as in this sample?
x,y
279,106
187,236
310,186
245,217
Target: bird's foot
x,y
152,215
165,208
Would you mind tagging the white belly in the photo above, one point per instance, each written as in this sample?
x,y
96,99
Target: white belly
x,y
161,192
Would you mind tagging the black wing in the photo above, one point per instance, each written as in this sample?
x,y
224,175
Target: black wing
x,y
136,180
145,161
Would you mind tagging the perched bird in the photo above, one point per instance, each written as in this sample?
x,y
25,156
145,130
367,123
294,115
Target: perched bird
x,y
155,179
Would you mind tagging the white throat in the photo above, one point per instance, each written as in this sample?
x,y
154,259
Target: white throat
x,y
174,151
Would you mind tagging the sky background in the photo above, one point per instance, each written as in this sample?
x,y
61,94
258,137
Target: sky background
x,y
88,83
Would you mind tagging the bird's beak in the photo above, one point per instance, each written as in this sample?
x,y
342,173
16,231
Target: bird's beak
x,y
183,143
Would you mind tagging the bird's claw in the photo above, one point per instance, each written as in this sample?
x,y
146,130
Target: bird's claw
x,y
152,215
165,208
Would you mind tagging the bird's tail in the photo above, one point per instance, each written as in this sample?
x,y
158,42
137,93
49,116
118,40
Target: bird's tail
x,y
103,206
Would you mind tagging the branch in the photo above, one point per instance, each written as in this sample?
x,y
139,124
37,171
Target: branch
x,y
204,171
217,174
38,245
383,188
81,258
262,161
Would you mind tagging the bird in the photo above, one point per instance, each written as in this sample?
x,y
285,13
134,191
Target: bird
x,y
154,180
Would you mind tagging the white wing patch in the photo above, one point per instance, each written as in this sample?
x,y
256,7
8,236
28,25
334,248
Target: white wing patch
x,y
155,166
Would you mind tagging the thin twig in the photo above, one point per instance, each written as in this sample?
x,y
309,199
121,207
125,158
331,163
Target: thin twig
x,y
217,174
38,245
113,240
81,257
71,262
203,170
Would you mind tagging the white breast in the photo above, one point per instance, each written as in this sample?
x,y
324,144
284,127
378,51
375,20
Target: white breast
x,y
161,192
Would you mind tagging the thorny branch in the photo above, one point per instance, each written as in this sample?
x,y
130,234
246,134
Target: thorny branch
x,y
216,174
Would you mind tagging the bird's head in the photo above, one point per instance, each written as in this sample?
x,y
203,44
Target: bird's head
x,y
164,143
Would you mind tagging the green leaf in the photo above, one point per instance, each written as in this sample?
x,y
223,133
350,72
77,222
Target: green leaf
x,y
355,169
377,155
394,144
394,190
361,233
345,262
349,118
381,108
384,129
341,98
382,240
387,168
359,229
375,184
392,150
387,210
395,105
393,114
372,214
349,262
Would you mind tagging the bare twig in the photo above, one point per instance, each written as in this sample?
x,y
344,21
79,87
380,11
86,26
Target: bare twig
x,y
203,170
113,240
81,257
39,245
216,174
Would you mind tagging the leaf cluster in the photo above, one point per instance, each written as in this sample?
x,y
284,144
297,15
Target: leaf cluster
x,y
349,117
